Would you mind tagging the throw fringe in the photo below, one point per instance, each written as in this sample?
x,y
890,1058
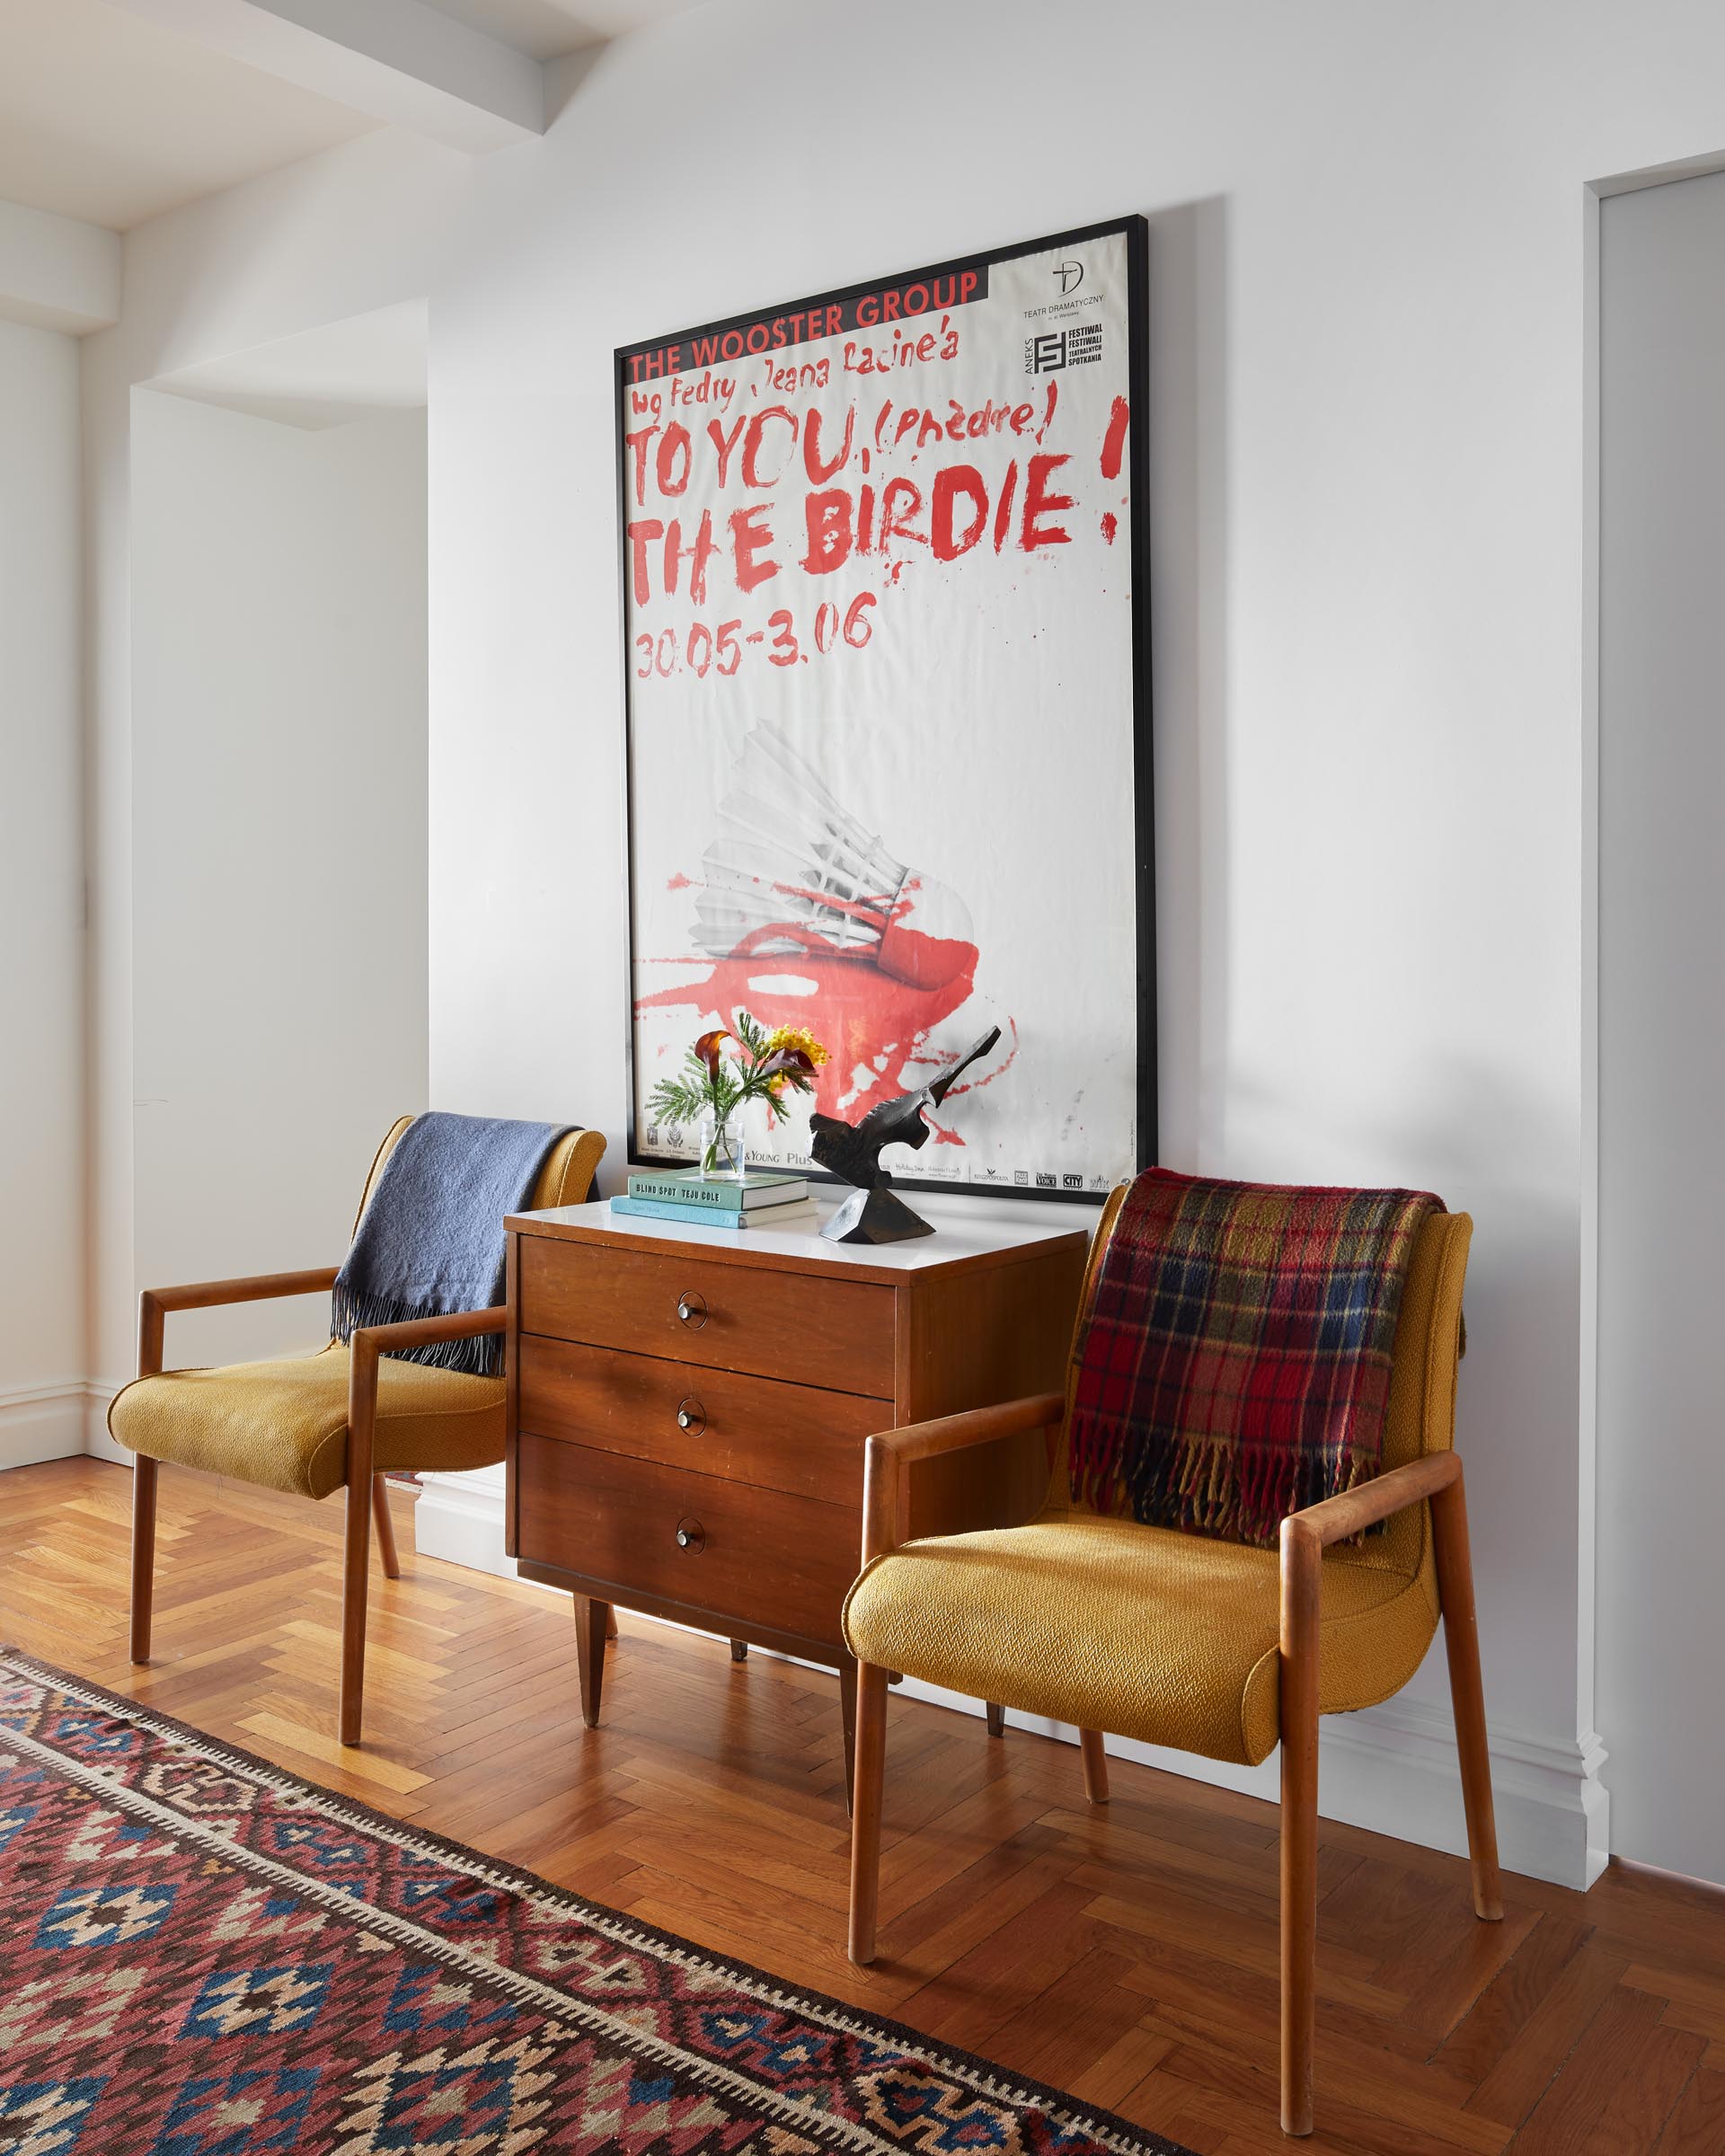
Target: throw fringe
x,y
481,1355
1213,1487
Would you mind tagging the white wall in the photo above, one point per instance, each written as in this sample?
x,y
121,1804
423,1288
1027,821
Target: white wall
x,y
1368,593
278,876
1661,1592
41,901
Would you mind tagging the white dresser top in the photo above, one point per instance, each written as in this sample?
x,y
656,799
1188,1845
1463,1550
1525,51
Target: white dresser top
x,y
965,1231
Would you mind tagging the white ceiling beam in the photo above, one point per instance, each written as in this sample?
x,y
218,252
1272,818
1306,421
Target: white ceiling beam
x,y
58,273
398,61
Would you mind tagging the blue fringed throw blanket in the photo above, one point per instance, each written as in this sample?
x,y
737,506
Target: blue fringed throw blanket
x,y
430,1243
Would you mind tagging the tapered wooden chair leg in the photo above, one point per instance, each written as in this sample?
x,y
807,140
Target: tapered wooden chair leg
x,y
997,1717
869,1778
356,1564
144,1471
1462,1644
386,1528
1302,1569
1090,1742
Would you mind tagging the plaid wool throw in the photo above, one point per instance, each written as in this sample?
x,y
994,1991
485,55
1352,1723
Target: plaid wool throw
x,y
1237,1366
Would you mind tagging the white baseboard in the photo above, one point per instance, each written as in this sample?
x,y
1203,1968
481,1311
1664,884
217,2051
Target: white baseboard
x,y
42,1422
98,1399
1393,1768
460,1519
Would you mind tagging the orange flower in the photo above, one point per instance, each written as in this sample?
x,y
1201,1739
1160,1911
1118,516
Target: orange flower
x,y
707,1049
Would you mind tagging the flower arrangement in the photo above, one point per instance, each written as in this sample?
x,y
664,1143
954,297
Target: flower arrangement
x,y
713,1086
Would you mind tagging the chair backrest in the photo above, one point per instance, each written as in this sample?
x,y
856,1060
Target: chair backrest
x,y
1420,1416
565,1179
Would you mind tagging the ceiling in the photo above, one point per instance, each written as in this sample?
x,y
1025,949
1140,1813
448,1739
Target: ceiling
x,y
110,118
550,28
340,371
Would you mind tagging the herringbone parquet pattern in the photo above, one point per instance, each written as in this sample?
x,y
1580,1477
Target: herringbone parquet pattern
x,y
1129,1954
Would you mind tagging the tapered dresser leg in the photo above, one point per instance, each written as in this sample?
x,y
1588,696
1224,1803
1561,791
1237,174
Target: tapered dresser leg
x,y
740,1650
590,1617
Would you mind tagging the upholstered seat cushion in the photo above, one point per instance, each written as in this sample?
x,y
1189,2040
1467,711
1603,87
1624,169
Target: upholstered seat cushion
x,y
285,1424
1142,1632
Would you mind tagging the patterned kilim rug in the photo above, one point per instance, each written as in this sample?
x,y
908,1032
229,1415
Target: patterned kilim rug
x,y
205,1957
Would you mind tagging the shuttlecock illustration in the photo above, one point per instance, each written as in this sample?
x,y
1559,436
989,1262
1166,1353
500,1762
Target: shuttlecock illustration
x,y
790,870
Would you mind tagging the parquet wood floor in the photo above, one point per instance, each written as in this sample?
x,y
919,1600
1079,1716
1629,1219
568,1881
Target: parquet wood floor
x,y
1129,1954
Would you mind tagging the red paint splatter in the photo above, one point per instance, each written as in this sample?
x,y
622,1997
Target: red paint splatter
x,y
679,882
1114,440
861,1016
1109,526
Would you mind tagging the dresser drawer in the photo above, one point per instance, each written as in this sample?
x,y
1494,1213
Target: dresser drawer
x,y
759,1555
717,1422
838,1334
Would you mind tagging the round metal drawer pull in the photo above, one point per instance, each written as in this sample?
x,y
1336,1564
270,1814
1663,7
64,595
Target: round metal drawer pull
x,y
691,1416
692,1309
692,1536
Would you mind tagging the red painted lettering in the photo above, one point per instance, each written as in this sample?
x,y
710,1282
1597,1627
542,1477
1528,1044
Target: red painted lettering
x,y
901,500
638,442
1039,503
698,553
723,443
754,438
819,473
750,536
827,517
676,443
954,479
1114,440
1003,507
641,535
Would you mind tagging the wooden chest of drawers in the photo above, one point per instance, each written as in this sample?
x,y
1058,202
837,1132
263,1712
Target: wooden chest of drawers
x,y
687,1413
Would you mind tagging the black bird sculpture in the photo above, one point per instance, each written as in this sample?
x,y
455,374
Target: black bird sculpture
x,y
874,1212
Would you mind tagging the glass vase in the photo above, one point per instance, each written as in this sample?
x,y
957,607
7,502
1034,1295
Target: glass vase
x,y
723,1152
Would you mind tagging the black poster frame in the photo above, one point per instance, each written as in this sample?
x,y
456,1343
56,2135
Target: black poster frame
x,y
1136,232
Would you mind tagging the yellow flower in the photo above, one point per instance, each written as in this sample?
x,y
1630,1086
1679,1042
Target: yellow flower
x,y
797,1037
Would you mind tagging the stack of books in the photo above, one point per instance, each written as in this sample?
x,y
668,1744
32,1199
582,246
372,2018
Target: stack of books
x,y
759,1199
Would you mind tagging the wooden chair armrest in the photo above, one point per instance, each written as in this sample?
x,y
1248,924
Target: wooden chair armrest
x,y
890,1455
368,1342
155,1303
1337,1519
1306,1534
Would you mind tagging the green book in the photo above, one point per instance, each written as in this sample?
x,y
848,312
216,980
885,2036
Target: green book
x,y
717,1194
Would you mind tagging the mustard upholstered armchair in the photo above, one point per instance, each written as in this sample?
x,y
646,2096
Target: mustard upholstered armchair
x,y
1215,1648
315,1424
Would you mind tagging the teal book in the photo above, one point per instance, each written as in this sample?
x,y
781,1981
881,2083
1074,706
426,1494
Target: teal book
x,y
712,1216
716,1194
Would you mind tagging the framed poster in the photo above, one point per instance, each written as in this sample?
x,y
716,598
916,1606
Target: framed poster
x,y
886,659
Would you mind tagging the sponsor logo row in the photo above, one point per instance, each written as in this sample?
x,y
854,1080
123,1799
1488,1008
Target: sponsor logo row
x,y
668,1143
